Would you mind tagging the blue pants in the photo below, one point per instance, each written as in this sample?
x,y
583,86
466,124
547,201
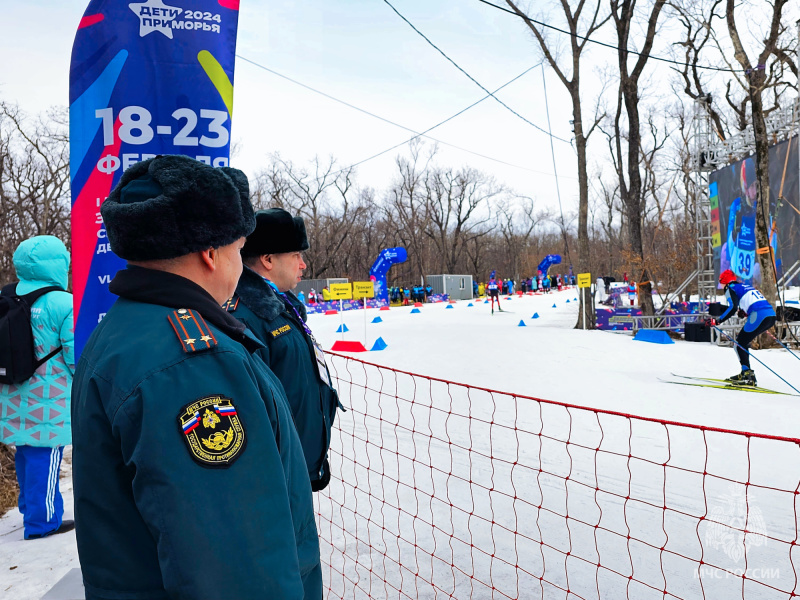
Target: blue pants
x,y
40,500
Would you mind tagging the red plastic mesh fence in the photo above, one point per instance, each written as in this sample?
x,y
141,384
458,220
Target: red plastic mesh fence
x,y
443,490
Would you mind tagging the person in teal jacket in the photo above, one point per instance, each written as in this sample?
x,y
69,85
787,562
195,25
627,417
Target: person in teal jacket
x,y
264,302
189,477
35,414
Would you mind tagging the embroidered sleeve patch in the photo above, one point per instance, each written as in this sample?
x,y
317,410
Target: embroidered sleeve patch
x,y
213,431
280,331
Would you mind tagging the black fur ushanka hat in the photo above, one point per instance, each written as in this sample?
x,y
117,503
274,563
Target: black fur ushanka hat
x,y
170,206
276,232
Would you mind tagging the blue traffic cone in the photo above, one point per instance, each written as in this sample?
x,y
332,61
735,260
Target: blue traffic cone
x,y
554,305
377,320
521,323
470,304
535,316
567,300
449,306
379,345
342,329
414,310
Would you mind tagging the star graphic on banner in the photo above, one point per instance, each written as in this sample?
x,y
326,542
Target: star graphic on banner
x,y
154,15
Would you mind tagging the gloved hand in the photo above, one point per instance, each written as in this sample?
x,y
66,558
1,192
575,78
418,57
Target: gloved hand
x,y
742,314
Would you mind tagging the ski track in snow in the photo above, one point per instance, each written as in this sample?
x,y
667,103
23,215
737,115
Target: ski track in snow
x,y
547,359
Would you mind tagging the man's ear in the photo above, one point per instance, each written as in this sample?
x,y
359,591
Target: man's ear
x,y
266,261
209,258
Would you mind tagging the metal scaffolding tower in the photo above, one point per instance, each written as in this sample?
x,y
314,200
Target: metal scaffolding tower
x,y
703,138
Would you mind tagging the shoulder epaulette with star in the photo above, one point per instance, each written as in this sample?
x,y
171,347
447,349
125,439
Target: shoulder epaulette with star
x,y
231,304
192,330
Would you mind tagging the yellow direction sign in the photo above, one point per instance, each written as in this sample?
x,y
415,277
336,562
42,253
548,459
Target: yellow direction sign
x,y
341,291
363,289
584,280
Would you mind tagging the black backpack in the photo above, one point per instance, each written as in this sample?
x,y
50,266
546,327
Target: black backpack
x,y
17,358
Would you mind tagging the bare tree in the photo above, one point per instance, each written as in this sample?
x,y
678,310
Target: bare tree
x,y
34,180
570,75
453,199
517,222
407,207
324,197
756,81
630,183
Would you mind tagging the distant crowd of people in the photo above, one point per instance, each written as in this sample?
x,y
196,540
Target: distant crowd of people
x,y
314,297
543,283
406,295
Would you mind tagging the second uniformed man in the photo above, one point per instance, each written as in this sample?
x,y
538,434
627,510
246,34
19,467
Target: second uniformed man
x,y
273,266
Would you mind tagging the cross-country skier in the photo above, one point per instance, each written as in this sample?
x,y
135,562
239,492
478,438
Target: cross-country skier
x,y
760,316
493,287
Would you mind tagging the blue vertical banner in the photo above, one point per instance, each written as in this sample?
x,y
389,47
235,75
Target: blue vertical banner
x,y
377,274
146,78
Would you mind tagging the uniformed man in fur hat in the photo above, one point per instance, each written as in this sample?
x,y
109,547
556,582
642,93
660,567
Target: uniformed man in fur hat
x,y
264,302
190,481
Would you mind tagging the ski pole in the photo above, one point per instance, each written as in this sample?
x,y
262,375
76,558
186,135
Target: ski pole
x,y
753,356
784,345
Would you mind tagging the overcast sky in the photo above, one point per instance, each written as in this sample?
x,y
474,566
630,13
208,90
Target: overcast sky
x,y
361,52
358,51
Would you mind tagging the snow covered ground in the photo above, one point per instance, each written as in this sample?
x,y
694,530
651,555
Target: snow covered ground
x,y
545,359
28,569
548,359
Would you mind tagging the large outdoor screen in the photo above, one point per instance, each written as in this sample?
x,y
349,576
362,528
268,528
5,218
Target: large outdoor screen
x,y
734,201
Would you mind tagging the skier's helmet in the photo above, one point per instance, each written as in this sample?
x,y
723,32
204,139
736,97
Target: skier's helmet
x,y
727,277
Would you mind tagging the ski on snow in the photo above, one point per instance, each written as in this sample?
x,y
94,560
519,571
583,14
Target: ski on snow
x,y
721,384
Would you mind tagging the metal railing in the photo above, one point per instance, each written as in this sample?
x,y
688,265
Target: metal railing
x,y
664,322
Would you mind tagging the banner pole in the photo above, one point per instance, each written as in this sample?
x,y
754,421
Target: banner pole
x,y
341,318
583,306
365,321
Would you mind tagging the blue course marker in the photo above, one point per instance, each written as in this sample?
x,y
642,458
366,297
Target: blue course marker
x,y
342,329
470,304
554,305
414,310
377,320
449,306
521,323
567,300
378,345
653,336
535,316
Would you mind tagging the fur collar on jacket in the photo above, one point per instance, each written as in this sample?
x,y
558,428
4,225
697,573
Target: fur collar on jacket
x,y
259,296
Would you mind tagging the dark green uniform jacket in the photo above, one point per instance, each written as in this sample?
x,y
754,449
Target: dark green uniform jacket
x,y
190,482
289,353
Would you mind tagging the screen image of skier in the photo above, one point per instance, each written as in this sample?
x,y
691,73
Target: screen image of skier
x,y
739,252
